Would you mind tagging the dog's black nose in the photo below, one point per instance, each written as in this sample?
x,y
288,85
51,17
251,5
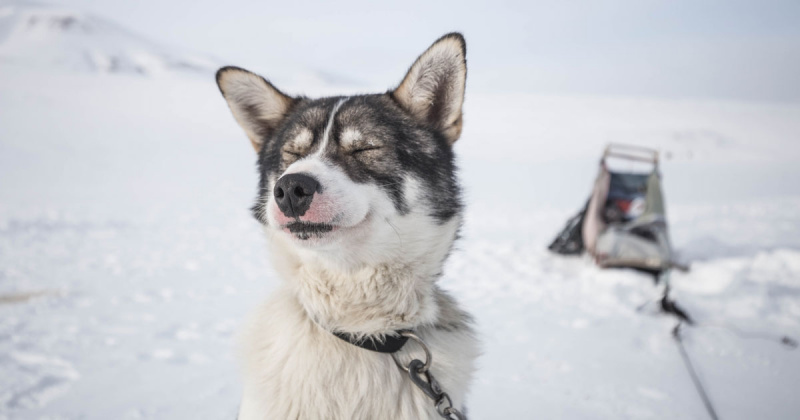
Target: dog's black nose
x,y
294,193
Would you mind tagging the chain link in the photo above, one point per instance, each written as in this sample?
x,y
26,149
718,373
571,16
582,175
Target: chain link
x,y
422,378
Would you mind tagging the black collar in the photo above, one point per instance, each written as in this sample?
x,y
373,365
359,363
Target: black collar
x,y
390,343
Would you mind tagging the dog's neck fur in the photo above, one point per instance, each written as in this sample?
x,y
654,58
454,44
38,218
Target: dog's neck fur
x,y
373,300
367,302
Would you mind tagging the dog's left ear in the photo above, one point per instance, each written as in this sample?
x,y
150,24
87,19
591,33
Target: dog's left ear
x,y
433,89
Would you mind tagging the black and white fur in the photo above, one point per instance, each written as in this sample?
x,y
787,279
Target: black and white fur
x,y
360,245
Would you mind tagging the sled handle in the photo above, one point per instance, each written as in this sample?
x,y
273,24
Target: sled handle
x,y
626,151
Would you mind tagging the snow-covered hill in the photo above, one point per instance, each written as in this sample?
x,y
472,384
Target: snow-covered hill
x,y
33,34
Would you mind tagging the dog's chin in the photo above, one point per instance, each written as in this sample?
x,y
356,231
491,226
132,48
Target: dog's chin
x,y
314,235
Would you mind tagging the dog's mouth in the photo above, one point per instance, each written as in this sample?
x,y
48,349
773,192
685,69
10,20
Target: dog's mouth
x,y
305,230
317,233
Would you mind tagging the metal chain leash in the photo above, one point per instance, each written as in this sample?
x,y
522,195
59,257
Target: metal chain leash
x,y
421,376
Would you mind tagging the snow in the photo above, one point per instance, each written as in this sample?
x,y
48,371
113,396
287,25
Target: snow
x,y
39,35
128,256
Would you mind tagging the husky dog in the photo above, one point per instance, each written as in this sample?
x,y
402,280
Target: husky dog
x,y
359,199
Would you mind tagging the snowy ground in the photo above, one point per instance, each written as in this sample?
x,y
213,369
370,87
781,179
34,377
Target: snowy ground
x,y
128,256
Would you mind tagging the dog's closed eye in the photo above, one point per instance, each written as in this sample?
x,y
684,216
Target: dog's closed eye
x,y
293,154
364,149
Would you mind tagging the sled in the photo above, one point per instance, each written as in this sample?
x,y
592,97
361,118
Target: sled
x,y
623,223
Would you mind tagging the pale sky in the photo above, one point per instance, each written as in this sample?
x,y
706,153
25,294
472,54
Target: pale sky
x,y
742,50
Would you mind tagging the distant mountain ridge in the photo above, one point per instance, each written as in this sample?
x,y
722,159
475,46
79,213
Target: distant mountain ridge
x,y
40,35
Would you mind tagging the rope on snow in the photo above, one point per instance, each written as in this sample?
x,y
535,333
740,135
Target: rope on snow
x,y
676,333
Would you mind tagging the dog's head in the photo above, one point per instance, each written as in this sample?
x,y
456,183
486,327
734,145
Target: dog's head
x,y
360,179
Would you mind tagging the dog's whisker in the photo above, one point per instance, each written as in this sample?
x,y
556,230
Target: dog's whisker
x,y
394,228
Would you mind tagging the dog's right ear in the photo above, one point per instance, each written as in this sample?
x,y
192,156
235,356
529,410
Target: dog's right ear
x,y
257,105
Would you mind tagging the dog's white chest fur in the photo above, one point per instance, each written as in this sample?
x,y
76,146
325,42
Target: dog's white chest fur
x,y
296,370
